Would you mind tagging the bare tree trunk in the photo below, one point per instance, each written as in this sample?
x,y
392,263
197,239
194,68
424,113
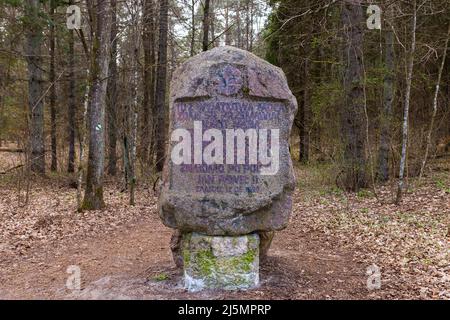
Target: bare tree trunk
x,y
100,56
148,39
5,80
448,89
35,85
247,25
206,25
435,105
193,30
251,25
2,116
125,119
112,95
154,114
161,78
52,80
72,104
352,115
305,118
212,25
405,128
134,104
82,138
133,142
386,117
227,25
238,22
126,149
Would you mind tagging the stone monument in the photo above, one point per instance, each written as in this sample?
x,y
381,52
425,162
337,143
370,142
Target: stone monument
x,y
228,175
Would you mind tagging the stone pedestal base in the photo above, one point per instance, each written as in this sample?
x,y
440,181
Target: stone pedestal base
x,y
229,263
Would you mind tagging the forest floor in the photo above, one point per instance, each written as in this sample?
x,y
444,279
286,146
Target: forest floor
x,y
332,239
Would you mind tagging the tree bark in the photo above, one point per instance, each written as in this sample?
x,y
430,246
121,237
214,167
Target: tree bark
x,y
405,128
212,25
134,106
133,142
112,95
100,56
52,80
448,89
206,24
33,45
352,114
251,26
82,138
305,118
227,25
2,116
148,41
386,116
72,104
161,78
247,25
238,27
193,29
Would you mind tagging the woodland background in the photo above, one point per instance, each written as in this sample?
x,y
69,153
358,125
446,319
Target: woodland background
x,y
83,121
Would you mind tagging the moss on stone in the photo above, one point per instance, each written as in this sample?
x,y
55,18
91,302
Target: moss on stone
x,y
248,259
253,241
238,281
185,249
161,277
206,262
186,257
238,264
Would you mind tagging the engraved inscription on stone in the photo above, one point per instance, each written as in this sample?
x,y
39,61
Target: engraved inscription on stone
x,y
225,146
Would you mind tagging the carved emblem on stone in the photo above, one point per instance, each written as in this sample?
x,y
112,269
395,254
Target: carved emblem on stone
x,y
228,80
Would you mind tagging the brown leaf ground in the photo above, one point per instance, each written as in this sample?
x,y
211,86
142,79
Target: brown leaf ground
x,y
123,251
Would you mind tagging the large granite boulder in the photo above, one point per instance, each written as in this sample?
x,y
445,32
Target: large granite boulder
x,y
228,170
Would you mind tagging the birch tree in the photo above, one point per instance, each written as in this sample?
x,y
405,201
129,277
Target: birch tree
x,y
405,126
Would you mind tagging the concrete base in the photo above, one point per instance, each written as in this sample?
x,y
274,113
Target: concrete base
x,y
229,263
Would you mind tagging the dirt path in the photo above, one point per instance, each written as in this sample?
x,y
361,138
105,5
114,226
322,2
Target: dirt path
x,y
135,262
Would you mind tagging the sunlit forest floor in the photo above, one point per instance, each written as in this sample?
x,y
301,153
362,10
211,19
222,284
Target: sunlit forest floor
x,y
123,252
